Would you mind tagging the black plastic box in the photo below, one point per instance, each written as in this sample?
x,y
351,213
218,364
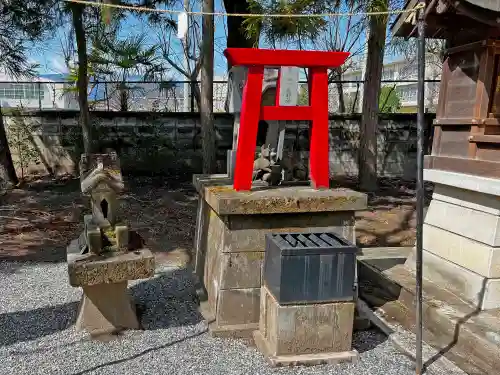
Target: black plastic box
x,y
309,268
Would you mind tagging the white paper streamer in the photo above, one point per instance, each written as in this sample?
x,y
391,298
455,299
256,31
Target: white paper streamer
x,y
182,25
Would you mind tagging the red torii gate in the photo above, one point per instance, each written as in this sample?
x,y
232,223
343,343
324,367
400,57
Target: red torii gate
x,y
318,63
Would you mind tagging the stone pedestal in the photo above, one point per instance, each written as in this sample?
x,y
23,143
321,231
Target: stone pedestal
x,y
461,269
308,334
106,307
202,221
461,237
232,242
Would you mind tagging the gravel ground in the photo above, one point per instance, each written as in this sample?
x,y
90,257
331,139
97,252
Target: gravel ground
x,y
38,308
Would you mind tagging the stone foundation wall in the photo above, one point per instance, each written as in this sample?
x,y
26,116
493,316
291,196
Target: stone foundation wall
x,y
165,143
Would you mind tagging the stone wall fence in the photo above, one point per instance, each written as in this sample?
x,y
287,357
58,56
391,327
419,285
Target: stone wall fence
x,y
169,143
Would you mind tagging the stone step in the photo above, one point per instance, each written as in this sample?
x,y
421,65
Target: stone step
x,y
460,332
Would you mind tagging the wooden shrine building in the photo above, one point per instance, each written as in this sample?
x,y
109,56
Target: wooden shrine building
x,y
467,125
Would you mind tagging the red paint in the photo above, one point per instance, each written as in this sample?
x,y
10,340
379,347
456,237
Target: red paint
x,y
270,57
252,111
249,124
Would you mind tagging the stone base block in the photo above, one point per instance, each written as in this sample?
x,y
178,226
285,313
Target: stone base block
x,y
236,331
238,306
465,252
106,309
477,225
90,269
293,333
303,359
480,291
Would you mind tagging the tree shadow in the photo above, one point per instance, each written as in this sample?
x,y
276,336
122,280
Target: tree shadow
x,y
442,352
163,302
364,341
390,218
22,326
168,300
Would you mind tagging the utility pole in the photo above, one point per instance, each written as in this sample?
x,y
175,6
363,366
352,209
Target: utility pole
x,y
420,187
207,93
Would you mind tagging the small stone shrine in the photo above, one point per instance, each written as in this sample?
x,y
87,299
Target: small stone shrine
x,y
107,254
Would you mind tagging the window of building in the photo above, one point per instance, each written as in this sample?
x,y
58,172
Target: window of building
x,y
21,91
388,74
408,94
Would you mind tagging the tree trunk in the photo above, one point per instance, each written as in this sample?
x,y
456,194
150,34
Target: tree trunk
x,y
337,76
371,91
236,35
208,139
8,176
82,83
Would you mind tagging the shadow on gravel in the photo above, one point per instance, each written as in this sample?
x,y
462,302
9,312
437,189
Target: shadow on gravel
x,y
21,326
138,355
364,341
168,300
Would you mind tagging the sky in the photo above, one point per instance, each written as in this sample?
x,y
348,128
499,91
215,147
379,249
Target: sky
x,y
49,54
51,58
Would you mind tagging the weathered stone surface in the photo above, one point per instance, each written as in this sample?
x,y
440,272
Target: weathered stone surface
x,y
449,321
472,287
122,236
212,262
476,225
247,232
489,186
306,329
90,269
238,306
241,270
106,309
470,254
202,224
224,200
311,359
467,198
201,181
231,246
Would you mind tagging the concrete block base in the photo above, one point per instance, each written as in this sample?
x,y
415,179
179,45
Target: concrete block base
x,y
237,331
305,334
302,359
106,309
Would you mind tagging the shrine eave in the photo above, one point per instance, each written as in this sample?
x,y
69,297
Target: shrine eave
x,y
443,16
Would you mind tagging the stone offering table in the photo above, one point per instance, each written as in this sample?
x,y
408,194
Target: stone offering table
x,y
234,248
106,306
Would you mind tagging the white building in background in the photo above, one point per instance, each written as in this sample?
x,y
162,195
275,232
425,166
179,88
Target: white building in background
x,y
34,93
400,70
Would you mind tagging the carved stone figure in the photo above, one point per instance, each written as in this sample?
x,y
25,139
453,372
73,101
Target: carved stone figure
x,y
266,167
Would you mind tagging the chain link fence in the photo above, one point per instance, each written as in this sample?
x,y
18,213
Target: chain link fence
x,y
180,96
